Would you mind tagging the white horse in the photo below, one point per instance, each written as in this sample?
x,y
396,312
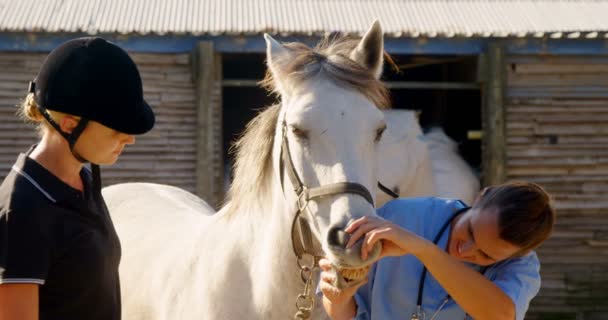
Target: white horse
x,y
180,262
453,177
404,163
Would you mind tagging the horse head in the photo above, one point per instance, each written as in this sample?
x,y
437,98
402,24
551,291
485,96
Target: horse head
x,y
327,133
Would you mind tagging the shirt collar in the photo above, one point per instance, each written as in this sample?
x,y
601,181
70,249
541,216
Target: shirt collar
x,y
46,182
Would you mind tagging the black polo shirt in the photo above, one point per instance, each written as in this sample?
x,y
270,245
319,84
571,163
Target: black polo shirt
x,y
63,240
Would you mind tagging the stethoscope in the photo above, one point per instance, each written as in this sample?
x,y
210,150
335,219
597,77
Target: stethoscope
x,y
420,314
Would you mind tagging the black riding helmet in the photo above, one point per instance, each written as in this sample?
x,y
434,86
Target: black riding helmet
x,y
96,80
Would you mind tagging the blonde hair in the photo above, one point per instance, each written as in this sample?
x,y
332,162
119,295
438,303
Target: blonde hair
x,y
29,112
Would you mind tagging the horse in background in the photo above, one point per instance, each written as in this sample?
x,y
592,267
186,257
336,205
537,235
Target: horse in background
x,y
404,162
452,175
303,167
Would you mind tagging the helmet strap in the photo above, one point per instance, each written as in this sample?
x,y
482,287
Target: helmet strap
x,y
70,137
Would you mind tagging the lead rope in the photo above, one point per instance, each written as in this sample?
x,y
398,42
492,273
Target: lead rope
x,y
305,302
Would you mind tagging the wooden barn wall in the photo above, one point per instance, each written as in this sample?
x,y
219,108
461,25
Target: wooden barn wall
x,y
556,115
167,154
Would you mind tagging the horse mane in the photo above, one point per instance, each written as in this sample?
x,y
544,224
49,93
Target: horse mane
x,y
253,150
253,159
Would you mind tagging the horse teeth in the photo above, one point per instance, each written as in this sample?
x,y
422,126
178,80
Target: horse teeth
x,y
354,274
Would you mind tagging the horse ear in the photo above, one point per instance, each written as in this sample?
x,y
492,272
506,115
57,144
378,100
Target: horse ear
x,y
369,52
277,55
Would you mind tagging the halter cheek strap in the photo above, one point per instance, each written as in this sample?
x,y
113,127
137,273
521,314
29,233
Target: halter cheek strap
x,y
387,190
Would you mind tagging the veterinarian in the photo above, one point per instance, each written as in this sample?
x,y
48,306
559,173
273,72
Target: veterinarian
x,y
443,260
59,252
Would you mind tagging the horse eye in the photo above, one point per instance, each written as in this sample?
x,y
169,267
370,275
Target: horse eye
x,y
302,134
379,133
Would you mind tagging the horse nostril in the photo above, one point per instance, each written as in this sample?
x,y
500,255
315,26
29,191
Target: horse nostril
x,y
337,237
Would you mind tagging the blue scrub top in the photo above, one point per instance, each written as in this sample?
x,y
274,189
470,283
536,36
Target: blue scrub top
x,y
392,289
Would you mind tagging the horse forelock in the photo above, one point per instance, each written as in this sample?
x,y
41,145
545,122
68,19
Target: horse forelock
x,y
329,59
253,160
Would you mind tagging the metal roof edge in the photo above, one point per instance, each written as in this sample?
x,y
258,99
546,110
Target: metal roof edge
x,y
44,42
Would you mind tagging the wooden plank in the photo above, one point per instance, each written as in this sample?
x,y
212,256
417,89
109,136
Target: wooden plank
x,y
516,132
577,205
564,162
171,97
571,179
173,156
570,234
160,59
553,102
583,222
565,117
138,176
556,144
557,80
519,125
528,170
516,109
598,188
209,169
560,68
153,165
553,151
583,259
572,129
578,251
493,125
595,92
589,140
556,59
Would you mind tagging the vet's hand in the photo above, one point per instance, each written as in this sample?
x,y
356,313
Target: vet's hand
x,y
396,241
334,295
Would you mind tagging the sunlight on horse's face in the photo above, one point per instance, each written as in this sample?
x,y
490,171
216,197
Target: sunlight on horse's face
x,y
333,135
333,132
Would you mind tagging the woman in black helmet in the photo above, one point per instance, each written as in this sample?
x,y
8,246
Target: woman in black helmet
x,y
59,252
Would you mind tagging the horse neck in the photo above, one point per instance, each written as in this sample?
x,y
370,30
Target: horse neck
x,y
267,251
421,184
277,263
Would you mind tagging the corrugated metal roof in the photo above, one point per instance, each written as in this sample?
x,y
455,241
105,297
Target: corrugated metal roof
x,y
431,18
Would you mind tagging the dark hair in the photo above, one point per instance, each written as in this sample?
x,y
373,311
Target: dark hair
x,y
526,213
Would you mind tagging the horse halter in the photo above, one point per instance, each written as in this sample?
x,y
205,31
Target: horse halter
x,y
301,236
305,194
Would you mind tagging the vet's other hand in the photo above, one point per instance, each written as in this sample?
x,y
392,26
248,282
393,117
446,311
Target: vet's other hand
x,y
396,241
335,296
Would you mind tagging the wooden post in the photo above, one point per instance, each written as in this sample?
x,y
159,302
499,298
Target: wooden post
x,y
207,73
493,117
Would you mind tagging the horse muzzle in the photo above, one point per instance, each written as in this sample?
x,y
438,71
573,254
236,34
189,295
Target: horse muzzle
x,y
349,269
